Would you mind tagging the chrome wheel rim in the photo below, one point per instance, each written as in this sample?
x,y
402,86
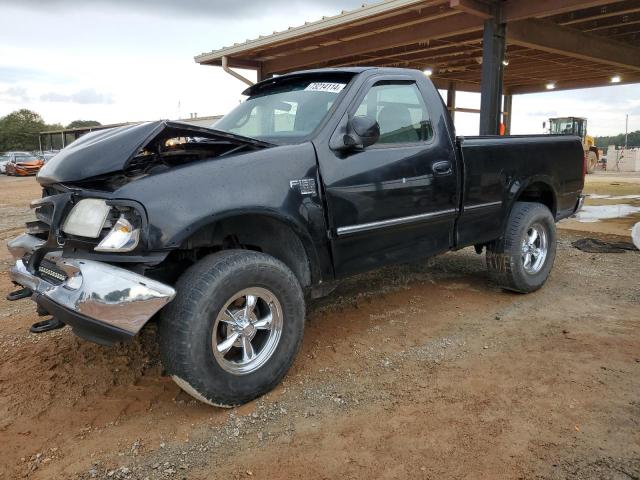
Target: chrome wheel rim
x,y
534,249
247,331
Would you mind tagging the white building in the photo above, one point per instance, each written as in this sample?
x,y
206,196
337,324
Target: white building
x,y
622,160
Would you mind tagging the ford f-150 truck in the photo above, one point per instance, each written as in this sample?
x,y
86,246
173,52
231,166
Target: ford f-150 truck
x,y
220,234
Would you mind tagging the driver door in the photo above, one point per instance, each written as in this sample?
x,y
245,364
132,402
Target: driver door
x,y
395,200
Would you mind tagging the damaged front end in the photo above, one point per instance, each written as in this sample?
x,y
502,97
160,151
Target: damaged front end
x,y
109,159
84,259
101,302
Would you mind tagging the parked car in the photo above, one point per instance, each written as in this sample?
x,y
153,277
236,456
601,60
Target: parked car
x,y
10,156
220,234
23,164
3,162
48,155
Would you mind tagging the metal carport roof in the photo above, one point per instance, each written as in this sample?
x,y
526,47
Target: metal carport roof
x,y
533,44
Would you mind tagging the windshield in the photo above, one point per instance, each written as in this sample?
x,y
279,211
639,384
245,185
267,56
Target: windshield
x,y
286,111
25,158
562,126
568,126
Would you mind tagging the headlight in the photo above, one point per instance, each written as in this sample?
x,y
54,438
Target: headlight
x,y
87,218
123,237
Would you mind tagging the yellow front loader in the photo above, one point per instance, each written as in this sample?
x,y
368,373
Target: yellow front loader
x,y
577,126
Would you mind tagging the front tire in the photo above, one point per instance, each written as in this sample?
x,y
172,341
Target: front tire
x,y
234,328
522,259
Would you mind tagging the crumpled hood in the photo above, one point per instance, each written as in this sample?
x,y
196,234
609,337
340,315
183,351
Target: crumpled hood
x,y
108,151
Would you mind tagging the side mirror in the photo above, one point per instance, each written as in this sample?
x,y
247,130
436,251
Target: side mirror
x,y
362,132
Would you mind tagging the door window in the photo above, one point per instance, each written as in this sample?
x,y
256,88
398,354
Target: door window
x,y
399,109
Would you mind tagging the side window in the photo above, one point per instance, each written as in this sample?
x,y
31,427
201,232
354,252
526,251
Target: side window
x,y
400,111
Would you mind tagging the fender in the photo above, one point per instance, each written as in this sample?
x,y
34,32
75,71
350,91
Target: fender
x,y
518,186
317,254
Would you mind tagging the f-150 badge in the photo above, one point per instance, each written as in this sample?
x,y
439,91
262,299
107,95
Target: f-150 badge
x,y
306,186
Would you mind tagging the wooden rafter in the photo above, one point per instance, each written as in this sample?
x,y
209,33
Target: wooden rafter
x,y
431,29
549,37
567,41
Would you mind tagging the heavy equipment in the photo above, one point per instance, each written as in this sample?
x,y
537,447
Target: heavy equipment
x,y
577,126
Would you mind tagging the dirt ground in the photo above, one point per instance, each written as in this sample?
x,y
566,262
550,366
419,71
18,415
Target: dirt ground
x,y
421,371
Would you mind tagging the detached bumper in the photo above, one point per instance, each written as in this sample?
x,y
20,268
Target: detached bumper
x,y
102,303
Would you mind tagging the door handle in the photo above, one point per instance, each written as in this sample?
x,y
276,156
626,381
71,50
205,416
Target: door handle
x,y
442,168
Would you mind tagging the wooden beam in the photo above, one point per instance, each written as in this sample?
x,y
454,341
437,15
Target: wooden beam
x,y
442,83
451,100
417,14
507,109
434,46
575,70
574,85
609,22
626,33
549,37
430,30
520,9
472,7
598,13
549,74
311,28
619,30
443,58
237,63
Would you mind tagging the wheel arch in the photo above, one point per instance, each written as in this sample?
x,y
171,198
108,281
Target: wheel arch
x,y
537,189
262,230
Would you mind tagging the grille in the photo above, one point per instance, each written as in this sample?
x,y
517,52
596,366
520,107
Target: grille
x,y
51,273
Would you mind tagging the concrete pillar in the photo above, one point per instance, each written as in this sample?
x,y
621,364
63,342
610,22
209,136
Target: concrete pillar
x,y
493,48
451,100
506,115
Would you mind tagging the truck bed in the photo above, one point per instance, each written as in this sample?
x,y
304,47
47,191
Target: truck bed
x,y
496,170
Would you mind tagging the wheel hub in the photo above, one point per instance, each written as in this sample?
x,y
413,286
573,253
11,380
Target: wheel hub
x,y
247,330
534,249
244,327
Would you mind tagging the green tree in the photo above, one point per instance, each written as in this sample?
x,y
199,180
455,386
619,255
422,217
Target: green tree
x,y
19,130
53,126
83,124
633,140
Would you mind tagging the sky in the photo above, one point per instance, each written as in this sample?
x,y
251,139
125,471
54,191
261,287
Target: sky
x,y
130,60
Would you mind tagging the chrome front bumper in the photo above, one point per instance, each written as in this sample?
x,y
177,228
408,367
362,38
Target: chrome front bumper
x,y
93,291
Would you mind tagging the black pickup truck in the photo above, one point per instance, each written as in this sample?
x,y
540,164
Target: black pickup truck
x,y
220,234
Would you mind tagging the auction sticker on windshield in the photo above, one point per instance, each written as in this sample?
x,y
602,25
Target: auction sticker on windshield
x,y
325,87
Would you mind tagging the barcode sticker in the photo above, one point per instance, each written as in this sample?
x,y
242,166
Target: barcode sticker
x,y
325,87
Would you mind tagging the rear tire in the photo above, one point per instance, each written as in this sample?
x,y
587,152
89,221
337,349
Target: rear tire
x,y
522,259
234,328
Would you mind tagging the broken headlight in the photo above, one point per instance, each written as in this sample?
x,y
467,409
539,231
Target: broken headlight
x,y
123,236
87,218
